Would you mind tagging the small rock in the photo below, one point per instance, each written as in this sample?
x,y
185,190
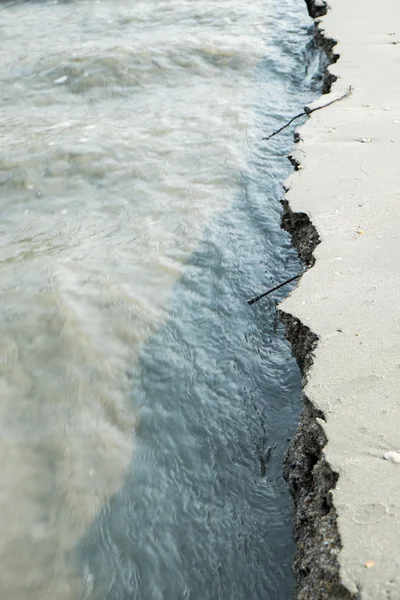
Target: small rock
x,y
62,79
369,564
394,457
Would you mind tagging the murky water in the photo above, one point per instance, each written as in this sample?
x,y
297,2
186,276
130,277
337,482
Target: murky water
x,y
145,408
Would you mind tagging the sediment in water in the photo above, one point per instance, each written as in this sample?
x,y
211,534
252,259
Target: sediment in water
x,y
310,478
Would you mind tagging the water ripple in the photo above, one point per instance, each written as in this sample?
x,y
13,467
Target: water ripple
x,y
145,407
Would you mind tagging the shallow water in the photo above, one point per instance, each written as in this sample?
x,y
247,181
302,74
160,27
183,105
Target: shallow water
x,y
145,407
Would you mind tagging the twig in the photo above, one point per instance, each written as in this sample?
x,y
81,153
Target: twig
x,y
308,111
257,298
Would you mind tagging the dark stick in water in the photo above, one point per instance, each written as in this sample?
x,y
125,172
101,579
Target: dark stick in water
x,y
257,298
308,111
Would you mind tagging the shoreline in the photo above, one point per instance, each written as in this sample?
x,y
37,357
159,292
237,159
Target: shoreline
x,y
346,517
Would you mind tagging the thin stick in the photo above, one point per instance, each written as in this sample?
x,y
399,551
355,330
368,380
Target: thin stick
x,y
308,111
257,298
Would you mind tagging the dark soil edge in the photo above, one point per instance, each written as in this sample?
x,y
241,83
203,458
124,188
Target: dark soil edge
x,y
310,478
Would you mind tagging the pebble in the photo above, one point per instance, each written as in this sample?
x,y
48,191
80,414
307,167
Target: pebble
x,y
364,140
394,457
62,79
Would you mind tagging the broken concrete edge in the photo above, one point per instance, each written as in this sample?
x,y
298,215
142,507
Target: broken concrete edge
x,y
309,476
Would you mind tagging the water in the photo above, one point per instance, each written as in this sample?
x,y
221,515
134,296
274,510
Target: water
x,y
145,408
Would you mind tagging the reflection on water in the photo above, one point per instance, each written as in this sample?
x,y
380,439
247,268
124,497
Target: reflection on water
x,y
138,212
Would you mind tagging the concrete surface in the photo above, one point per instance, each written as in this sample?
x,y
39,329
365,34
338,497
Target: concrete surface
x,y
349,185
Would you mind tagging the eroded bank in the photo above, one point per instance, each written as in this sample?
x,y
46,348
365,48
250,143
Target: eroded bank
x,y
343,320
